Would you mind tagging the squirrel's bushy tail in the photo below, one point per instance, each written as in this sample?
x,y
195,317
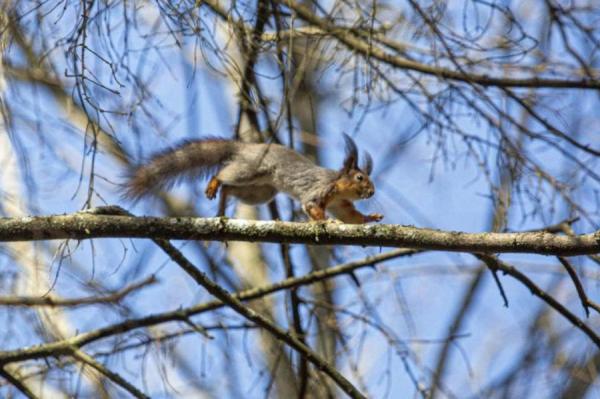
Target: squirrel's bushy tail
x,y
188,160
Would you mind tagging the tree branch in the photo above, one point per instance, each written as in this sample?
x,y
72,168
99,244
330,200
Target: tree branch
x,y
585,300
367,49
111,298
235,304
17,383
495,264
114,377
62,347
65,347
87,225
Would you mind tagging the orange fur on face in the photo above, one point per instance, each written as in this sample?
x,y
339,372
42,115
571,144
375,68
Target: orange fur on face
x,y
347,189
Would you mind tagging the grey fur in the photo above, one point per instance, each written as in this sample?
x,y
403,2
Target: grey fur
x,y
277,166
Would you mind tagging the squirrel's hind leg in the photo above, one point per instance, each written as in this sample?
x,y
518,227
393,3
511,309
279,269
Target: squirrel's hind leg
x,y
212,188
314,211
238,174
223,201
211,193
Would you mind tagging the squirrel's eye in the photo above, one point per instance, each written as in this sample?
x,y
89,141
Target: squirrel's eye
x,y
359,177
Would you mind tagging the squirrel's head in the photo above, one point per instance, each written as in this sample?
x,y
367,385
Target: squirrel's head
x,y
353,181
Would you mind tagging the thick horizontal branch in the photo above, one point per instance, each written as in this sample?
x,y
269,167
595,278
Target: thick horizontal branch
x,y
87,225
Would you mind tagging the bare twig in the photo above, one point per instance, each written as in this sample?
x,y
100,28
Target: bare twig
x,y
568,230
500,287
17,383
93,300
585,300
63,346
235,304
364,47
111,375
494,263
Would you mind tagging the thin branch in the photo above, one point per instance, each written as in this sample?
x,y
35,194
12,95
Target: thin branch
x,y
62,347
496,264
559,227
111,375
235,304
355,42
17,383
568,230
464,308
585,300
88,225
500,287
111,298
367,49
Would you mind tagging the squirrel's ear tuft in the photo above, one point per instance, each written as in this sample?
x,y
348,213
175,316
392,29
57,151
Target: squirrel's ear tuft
x,y
367,165
351,159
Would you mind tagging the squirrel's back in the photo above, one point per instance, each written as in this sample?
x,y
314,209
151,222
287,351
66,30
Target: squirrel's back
x,y
283,168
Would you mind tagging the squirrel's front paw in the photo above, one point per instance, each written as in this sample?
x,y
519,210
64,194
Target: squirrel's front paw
x,y
374,217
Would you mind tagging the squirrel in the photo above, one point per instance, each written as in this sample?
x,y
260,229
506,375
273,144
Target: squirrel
x,y
255,172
